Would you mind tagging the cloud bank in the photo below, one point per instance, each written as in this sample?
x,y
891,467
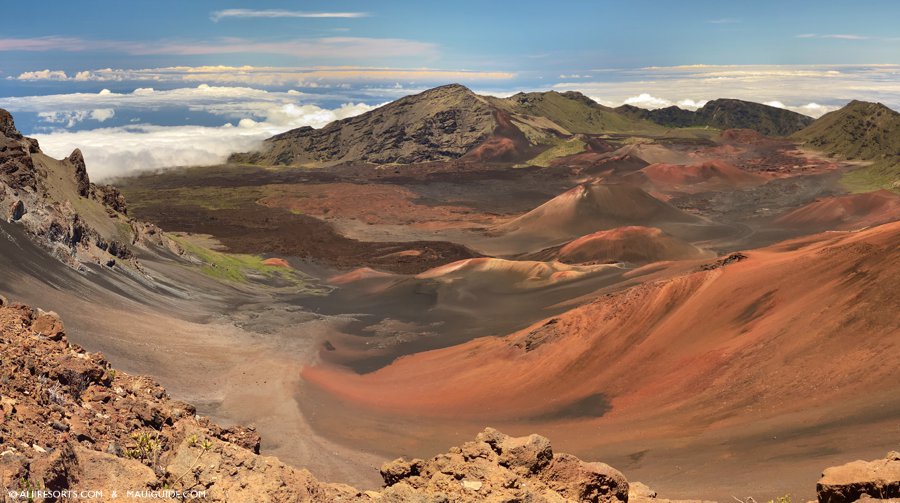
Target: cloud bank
x,y
808,89
267,76
128,149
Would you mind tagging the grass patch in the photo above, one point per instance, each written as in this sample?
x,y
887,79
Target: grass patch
x,y
560,148
239,268
881,175
209,198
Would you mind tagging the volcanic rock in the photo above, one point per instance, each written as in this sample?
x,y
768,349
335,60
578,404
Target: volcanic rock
x,y
878,479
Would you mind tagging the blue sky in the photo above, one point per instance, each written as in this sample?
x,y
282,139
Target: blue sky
x,y
254,68
534,38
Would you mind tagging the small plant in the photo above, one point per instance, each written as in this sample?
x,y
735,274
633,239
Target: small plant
x,y
782,499
29,488
146,449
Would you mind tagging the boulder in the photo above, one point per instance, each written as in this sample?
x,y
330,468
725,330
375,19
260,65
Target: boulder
x,y
582,481
850,482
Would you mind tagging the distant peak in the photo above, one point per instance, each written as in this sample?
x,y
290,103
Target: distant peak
x,y
455,88
868,106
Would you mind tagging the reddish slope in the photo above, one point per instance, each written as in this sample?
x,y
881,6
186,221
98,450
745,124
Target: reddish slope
x,y
707,175
591,207
635,244
846,212
774,327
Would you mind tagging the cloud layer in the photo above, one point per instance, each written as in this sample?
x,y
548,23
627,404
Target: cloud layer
x,y
126,149
267,75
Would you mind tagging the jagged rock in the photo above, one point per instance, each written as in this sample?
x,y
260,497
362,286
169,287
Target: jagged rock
x,y
37,193
850,482
111,197
8,126
83,183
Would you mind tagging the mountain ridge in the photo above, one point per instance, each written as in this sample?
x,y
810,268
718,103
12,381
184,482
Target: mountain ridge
x,y
863,131
451,122
726,113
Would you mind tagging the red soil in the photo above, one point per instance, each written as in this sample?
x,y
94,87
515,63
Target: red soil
x,y
591,207
276,262
846,212
639,245
370,203
765,344
742,136
700,176
507,144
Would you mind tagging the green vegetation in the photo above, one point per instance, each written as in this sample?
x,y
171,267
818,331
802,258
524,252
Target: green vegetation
x,y
781,499
860,131
238,268
576,113
880,175
210,198
146,449
560,148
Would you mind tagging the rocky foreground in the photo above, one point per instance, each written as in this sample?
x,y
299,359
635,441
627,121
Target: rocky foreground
x,y
71,424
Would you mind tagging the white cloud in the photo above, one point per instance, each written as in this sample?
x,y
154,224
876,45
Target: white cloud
x,y
645,100
274,13
122,150
689,104
103,114
67,118
814,109
70,118
312,77
43,75
127,150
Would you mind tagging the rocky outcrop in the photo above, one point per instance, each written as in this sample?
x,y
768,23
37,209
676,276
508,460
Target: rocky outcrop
x,y
56,203
879,479
497,467
71,422
82,183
